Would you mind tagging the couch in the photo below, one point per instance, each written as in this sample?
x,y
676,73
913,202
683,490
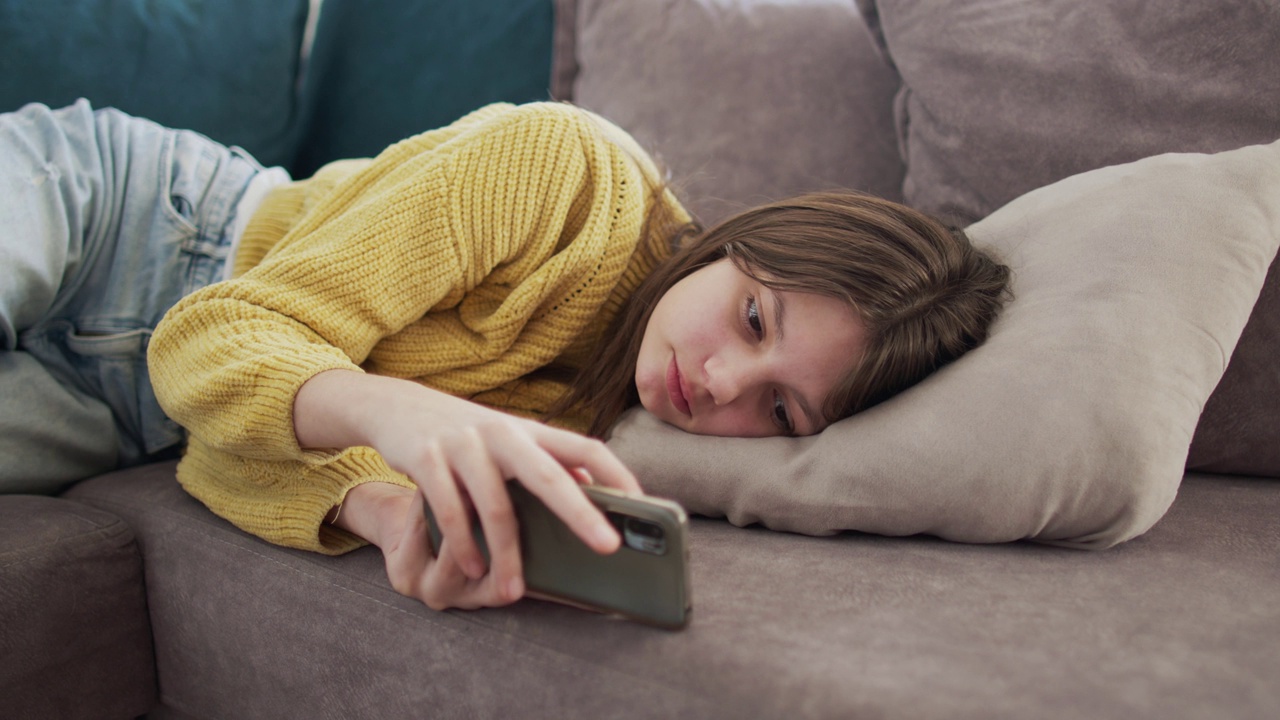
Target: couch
x,y
125,597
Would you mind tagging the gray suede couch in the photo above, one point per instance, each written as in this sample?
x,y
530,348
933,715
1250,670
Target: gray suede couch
x,y
125,597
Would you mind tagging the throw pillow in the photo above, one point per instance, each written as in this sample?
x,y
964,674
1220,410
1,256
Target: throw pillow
x,y
1071,424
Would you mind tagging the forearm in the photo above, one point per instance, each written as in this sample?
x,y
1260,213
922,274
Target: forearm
x,y
345,408
330,409
225,369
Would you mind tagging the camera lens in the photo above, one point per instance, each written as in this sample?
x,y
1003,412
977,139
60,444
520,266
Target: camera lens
x,y
644,536
617,520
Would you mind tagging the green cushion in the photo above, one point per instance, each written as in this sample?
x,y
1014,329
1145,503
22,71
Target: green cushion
x,y
224,68
382,70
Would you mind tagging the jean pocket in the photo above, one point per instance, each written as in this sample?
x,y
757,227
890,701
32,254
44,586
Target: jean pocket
x,y
183,173
115,365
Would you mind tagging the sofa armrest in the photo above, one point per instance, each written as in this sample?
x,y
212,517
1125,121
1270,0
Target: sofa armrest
x,y
73,614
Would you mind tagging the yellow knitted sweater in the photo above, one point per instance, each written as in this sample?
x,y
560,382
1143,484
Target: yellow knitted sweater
x,y
466,258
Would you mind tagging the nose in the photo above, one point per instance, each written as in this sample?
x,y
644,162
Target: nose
x,y
729,376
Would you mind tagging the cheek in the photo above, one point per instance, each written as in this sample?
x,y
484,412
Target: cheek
x,y
700,334
648,373
735,422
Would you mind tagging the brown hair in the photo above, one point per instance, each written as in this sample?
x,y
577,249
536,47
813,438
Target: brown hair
x,y
925,294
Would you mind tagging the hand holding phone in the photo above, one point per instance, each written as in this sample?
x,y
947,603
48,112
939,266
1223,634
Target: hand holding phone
x,y
646,579
460,455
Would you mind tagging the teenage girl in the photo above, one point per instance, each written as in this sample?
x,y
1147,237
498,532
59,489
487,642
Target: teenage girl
x,y
475,305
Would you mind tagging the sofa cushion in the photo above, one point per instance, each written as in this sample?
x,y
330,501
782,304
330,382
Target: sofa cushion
x,y
1239,429
1073,421
1180,623
382,71
799,83
1001,98
227,69
73,614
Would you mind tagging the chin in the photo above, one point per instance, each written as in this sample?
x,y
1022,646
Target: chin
x,y
674,421
663,412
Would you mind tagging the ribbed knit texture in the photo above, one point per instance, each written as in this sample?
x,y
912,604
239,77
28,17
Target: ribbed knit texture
x,y
466,258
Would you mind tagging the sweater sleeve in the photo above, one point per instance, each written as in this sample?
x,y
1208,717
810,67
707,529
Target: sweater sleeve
x,y
415,230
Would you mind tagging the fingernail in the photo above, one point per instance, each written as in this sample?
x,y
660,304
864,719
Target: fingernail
x,y
515,588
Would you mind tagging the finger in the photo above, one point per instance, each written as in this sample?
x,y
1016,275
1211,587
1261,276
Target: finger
x,y
442,582
582,476
470,456
409,557
520,456
451,511
574,450
445,585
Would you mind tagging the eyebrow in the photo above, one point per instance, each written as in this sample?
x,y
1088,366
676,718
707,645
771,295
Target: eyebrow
x,y
779,312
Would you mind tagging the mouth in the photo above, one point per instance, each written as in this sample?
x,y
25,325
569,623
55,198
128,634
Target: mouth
x,y
675,388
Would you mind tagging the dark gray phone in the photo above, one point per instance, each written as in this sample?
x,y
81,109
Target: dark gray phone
x,y
647,579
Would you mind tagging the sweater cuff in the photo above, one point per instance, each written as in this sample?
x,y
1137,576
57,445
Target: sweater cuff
x,y
350,470
284,503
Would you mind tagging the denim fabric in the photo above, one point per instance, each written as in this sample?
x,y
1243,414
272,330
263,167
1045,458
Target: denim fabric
x,y
106,221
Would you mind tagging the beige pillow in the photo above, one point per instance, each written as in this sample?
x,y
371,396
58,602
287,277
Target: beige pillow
x,y
743,101
1072,423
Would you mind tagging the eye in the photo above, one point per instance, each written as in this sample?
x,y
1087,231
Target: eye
x,y
751,316
780,416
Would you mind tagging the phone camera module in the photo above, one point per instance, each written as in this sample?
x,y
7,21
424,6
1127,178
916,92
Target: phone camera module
x,y
644,536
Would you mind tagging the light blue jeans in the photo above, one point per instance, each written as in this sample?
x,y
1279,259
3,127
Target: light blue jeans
x,y
106,221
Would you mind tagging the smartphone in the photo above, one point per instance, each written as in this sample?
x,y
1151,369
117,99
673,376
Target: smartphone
x,y
646,579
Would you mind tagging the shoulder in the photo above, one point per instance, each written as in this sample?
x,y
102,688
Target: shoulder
x,y
558,118
540,121
553,113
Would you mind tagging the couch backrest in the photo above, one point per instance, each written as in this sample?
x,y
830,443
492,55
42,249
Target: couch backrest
x,y
742,101
227,68
382,70
375,71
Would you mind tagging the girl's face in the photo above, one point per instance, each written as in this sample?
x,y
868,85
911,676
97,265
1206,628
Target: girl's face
x,y
725,355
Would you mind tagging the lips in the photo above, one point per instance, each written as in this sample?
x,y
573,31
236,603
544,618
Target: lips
x,y
675,388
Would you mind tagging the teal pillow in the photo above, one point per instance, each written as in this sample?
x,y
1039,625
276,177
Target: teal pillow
x,y
227,68
382,70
